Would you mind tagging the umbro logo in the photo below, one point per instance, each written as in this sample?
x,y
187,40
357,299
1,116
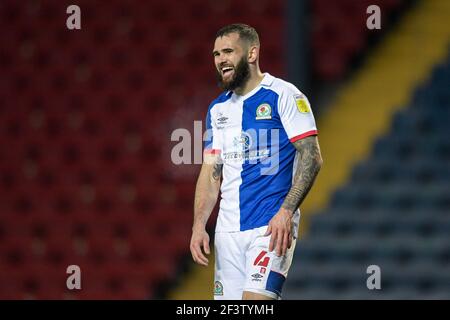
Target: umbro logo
x,y
256,277
222,120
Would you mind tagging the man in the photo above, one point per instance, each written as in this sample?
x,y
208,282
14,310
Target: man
x,y
262,142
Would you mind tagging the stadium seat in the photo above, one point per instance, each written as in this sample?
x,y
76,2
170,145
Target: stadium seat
x,y
393,212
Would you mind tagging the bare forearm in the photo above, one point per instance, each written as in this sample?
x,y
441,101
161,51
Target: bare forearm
x,y
206,193
308,166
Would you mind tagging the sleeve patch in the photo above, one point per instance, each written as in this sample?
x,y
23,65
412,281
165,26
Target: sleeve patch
x,y
302,103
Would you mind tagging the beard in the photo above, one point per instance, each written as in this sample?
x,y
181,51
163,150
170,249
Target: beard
x,y
239,79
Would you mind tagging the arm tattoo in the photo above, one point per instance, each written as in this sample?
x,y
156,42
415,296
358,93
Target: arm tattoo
x,y
217,171
308,165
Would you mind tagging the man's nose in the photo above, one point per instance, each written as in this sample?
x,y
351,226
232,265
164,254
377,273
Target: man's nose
x,y
222,59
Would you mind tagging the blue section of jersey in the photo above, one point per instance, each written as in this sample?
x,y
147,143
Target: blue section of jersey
x,y
269,156
275,282
208,143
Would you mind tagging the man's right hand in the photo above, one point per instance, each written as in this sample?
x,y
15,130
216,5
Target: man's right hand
x,y
199,240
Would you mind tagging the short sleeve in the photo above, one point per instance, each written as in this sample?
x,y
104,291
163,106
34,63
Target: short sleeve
x,y
296,115
212,141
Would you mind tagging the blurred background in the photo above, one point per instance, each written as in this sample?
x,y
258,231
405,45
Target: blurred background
x,y
86,118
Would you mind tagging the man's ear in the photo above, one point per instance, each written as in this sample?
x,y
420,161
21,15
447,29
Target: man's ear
x,y
253,53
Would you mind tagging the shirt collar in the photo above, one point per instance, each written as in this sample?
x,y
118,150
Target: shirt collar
x,y
267,80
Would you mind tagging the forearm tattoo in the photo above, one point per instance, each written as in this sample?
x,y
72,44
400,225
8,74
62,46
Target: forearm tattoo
x,y
217,171
309,162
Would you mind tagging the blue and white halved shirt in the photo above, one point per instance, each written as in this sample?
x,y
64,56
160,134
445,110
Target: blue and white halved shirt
x,y
253,135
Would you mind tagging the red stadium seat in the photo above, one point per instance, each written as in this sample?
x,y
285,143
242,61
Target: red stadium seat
x,y
85,170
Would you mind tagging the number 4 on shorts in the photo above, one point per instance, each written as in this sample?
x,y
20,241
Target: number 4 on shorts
x,y
263,263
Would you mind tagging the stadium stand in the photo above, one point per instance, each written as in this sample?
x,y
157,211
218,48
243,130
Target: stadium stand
x,y
393,213
343,24
85,124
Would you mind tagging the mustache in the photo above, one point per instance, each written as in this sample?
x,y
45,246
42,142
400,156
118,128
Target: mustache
x,y
223,65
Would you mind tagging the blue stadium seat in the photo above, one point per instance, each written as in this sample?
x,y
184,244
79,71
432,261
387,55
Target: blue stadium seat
x,y
394,212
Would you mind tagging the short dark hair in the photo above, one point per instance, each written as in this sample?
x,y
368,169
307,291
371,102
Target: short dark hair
x,y
246,32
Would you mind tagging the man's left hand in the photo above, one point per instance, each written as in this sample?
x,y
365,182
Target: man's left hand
x,y
280,226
